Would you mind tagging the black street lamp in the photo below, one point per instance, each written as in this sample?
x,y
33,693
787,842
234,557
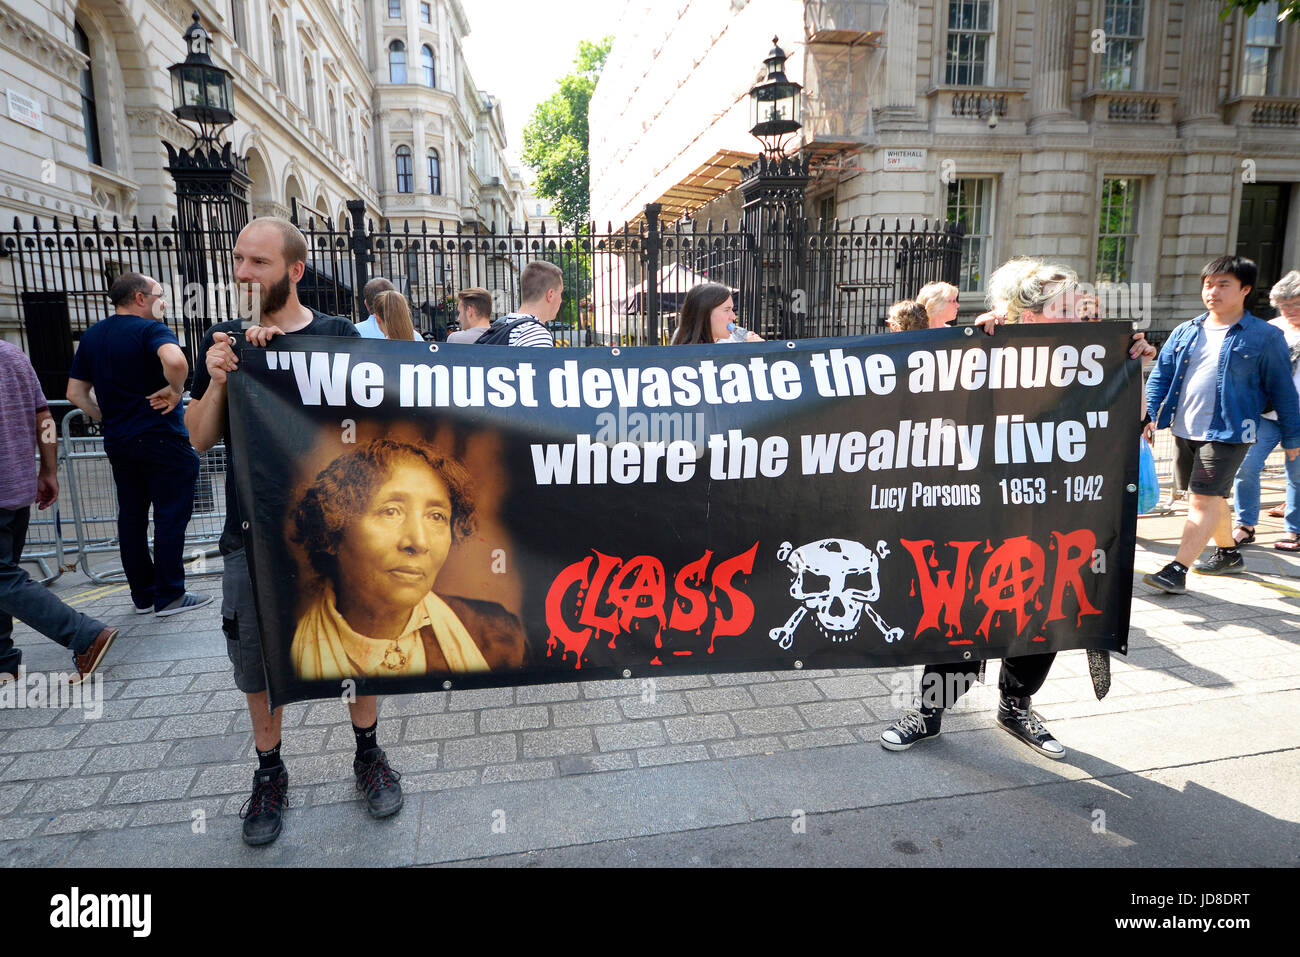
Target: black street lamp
x,y
772,190
201,91
212,181
775,105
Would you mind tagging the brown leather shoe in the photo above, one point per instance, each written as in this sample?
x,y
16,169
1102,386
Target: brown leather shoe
x,y
89,660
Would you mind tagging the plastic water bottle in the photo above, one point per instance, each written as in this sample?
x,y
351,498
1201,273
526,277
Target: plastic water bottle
x,y
737,333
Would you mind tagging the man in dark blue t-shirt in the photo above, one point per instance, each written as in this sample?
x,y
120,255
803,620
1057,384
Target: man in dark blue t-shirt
x,y
136,367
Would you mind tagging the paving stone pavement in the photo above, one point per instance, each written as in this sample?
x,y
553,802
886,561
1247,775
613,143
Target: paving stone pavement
x,y
500,774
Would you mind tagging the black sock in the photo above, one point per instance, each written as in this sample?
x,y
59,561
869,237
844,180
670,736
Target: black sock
x,y
367,738
1230,550
266,760
1178,567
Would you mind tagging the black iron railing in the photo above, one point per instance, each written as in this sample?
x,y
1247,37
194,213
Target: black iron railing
x,y
622,285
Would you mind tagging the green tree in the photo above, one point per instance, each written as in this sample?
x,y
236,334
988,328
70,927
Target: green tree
x,y
1288,10
555,139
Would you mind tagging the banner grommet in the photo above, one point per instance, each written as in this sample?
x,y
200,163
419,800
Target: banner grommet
x,y
798,664
1131,487
970,330
446,686
433,347
627,672
614,351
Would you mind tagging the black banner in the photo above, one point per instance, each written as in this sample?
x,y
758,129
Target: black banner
x,y
432,516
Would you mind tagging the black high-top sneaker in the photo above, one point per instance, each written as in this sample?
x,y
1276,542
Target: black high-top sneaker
x,y
263,812
1017,719
913,725
377,782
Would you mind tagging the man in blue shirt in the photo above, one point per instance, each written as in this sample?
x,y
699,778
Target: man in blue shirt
x,y
137,369
1215,377
369,328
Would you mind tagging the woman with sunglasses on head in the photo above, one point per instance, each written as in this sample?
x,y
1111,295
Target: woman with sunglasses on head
x,y
1024,290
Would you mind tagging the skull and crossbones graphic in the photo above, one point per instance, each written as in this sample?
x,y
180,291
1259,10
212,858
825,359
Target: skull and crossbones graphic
x,y
828,575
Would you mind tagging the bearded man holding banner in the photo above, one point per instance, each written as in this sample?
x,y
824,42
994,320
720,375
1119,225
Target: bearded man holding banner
x,y
270,257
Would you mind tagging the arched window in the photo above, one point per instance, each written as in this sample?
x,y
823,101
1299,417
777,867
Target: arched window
x,y
435,181
404,169
426,62
396,62
333,114
89,112
277,51
309,91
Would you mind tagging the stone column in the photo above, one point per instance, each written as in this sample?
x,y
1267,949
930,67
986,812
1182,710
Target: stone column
x,y
384,161
1053,52
421,183
900,63
414,73
1200,60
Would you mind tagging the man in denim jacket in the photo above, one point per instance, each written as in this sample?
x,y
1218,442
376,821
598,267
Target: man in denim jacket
x,y
1213,379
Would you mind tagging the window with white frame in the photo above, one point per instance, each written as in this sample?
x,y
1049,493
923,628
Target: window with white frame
x,y
426,12
1261,62
970,205
404,177
970,43
309,92
428,67
89,109
434,169
1118,229
238,23
397,62
394,9
1122,22
277,53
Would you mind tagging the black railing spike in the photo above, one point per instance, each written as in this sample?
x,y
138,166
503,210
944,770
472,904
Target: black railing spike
x,y
442,228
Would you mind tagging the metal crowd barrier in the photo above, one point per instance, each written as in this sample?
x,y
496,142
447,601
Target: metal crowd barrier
x,y
93,496
44,546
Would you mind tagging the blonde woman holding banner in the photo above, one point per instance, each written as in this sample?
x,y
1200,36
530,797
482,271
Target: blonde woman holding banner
x,y
1024,290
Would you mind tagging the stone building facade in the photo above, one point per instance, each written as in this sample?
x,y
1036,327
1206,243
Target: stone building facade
x,y
334,99
1131,139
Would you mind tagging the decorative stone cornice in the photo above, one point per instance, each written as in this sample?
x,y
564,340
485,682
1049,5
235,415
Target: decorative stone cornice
x,y
160,123
26,38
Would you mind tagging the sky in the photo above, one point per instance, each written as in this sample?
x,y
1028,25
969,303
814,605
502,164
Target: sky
x,y
517,50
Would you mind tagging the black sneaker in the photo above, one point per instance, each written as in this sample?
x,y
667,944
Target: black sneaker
x,y
378,783
912,726
1017,719
1169,579
263,812
1222,561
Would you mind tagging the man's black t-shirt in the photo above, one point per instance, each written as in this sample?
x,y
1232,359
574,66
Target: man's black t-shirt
x,y
232,535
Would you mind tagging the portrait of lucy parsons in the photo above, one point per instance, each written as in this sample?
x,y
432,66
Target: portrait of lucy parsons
x,y
377,526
